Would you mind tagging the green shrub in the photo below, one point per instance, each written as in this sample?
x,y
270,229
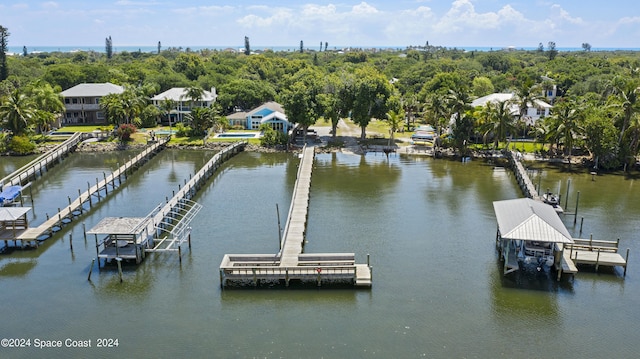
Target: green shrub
x,y
182,130
21,145
271,137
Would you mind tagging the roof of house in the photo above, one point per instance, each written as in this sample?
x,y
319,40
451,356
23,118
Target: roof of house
x,y
180,94
239,115
271,105
92,90
526,219
501,97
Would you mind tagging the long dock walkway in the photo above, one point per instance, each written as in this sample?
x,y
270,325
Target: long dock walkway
x,y
42,162
166,228
76,207
290,263
293,236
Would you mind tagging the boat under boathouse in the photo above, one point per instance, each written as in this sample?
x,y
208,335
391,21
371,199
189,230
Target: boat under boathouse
x,y
531,232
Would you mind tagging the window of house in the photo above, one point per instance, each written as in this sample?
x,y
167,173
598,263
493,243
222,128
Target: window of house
x,y
66,100
75,100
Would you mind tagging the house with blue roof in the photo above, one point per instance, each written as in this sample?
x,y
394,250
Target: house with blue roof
x,y
270,113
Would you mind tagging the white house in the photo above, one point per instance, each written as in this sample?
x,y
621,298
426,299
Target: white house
x,y
270,113
534,111
82,102
183,102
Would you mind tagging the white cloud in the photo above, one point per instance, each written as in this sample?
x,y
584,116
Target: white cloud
x,y
50,5
364,9
558,14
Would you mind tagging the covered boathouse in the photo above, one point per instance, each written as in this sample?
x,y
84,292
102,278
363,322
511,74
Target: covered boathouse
x,y
531,233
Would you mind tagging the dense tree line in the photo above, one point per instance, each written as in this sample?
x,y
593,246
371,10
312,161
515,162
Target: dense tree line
x,y
597,109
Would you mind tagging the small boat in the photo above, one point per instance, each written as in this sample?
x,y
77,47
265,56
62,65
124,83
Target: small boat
x,y
9,194
551,199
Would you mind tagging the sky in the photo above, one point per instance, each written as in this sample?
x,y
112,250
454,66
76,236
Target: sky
x,y
341,23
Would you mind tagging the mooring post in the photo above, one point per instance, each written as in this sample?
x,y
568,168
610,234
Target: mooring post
x,y
98,187
626,263
70,241
368,265
575,215
93,261
106,187
84,232
566,199
581,221
119,260
89,193
97,250
279,228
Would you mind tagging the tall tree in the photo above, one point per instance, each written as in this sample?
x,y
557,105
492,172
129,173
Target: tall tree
x,y
24,51
336,98
159,47
247,48
458,103
301,46
108,47
371,91
302,100
4,36
552,52
567,116
326,44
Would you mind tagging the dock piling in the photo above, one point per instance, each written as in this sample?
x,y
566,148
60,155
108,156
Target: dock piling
x,y
119,260
93,261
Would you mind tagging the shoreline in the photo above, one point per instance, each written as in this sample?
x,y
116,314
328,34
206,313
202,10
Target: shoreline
x,y
350,146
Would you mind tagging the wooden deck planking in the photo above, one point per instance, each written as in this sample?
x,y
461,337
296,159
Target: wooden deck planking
x,y
603,258
293,237
68,212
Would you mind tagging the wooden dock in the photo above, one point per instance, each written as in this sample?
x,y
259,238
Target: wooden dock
x,y
94,192
166,228
290,263
293,235
42,162
597,253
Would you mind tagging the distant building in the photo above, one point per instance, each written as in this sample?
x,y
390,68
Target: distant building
x,y
270,113
183,103
82,102
534,111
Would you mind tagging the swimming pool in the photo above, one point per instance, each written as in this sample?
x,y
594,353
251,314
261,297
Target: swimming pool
x,y
238,135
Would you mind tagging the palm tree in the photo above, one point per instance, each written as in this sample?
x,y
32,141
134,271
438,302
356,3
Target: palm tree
x,y
498,121
436,107
526,95
458,103
17,111
566,117
48,105
394,119
628,92
167,105
193,94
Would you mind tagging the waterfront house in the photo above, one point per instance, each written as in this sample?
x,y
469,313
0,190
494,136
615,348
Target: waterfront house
x,y
535,110
82,102
270,113
184,104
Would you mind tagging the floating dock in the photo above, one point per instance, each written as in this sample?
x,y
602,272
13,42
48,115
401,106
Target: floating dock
x,y
290,263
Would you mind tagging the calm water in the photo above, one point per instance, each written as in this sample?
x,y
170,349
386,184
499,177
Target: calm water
x,y
428,225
